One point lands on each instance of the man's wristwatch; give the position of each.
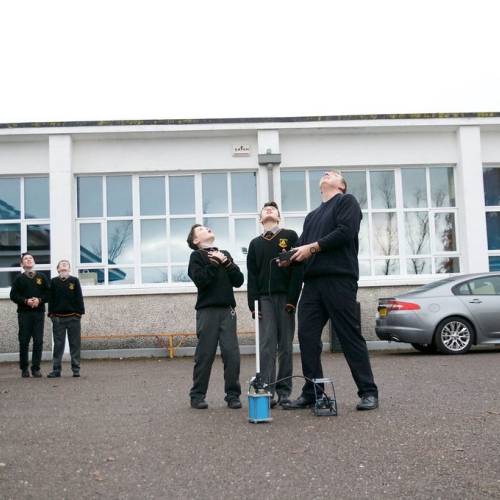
(313, 249)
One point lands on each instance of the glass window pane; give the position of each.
(365, 268)
(91, 277)
(356, 185)
(293, 191)
(383, 189)
(90, 243)
(220, 227)
(417, 233)
(180, 274)
(363, 236)
(494, 263)
(442, 187)
(244, 192)
(89, 196)
(120, 242)
(38, 242)
(418, 266)
(386, 267)
(245, 231)
(314, 192)
(445, 232)
(447, 265)
(385, 234)
(10, 199)
(295, 223)
(152, 195)
(7, 278)
(10, 245)
(36, 198)
(214, 193)
(414, 187)
(493, 230)
(154, 275)
(153, 241)
(491, 180)
(120, 276)
(179, 230)
(119, 195)
(181, 193)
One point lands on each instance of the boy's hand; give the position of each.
(218, 256)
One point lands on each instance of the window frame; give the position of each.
(490, 209)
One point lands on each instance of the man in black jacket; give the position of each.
(329, 248)
(30, 292)
(215, 274)
(65, 310)
(277, 290)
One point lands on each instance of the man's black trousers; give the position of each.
(71, 325)
(30, 327)
(332, 297)
(216, 325)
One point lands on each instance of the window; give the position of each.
(487, 285)
(409, 216)
(133, 228)
(24, 225)
(491, 179)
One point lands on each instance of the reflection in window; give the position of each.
(418, 266)
(90, 243)
(386, 267)
(154, 275)
(445, 232)
(10, 245)
(120, 276)
(365, 268)
(442, 187)
(244, 192)
(152, 195)
(417, 233)
(38, 242)
(494, 262)
(414, 187)
(36, 197)
(91, 277)
(220, 227)
(120, 242)
(385, 232)
(179, 230)
(180, 274)
(245, 231)
(356, 185)
(10, 198)
(491, 180)
(293, 191)
(493, 230)
(153, 241)
(447, 265)
(7, 278)
(364, 245)
(119, 195)
(214, 188)
(314, 191)
(89, 196)
(181, 194)
(383, 189)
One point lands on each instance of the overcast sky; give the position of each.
(107, 59)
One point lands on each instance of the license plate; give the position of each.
(382, 311)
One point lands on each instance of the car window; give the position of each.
(487, 285)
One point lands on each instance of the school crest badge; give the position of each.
(283, 243)
(39, 281)
(71, 286)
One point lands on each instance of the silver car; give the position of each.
(448, 315)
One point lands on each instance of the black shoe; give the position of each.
(54, 374)
(25, 373)
(368, 402)
(36, 373)
(234, 404)
(199, 404)
(76, 374)
(298, 404)
(283, 401)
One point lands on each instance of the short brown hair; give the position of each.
(271, 204)
(190, 237)
(61, 261)
(24, 255)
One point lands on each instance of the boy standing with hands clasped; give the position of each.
(215, 274)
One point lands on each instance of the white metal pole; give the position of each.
(257, 339)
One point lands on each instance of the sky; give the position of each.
(112, 60)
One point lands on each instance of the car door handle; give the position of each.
(475, 301)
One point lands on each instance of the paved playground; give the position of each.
(125, 430)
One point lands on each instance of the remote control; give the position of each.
(285, 256)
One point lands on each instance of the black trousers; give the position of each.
(71, 325)
(332, 297)
(216, 325)
(30, 327)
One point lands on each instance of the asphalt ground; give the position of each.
(125, 430)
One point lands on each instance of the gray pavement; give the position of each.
(125, 430)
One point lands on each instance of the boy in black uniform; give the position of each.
(215, 274)
(30, 292)
(277, 290)
(65, 310)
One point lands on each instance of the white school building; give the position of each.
(117, 199)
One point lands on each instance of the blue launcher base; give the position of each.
(259, 408)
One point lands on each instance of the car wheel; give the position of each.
(427, 348)
(453, 336)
